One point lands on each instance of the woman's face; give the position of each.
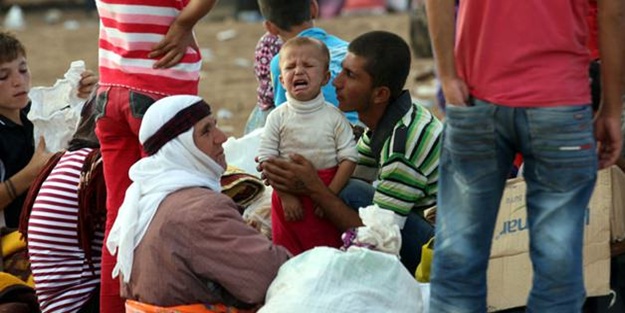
(209, 138)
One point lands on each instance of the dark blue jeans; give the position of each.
(479, 144)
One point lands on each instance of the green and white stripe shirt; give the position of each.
(407, 168)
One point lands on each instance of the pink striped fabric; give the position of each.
(63, 279)
(128, 31)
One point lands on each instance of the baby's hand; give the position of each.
(292, 208)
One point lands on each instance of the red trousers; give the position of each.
(117, 129)
(309, 232)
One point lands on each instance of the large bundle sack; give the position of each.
(366, 276)
(330, 280)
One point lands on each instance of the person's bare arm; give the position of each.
(20, 182)
(608, 119)
(298, 176)
(343, 173)
(180, 35)
(441, 24)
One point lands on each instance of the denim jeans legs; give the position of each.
(479, 144)
(416, 232)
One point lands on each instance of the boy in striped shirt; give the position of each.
(147, 50)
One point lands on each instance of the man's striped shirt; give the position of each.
(407, 167)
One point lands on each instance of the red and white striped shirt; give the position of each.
(64, 281)
(128, 31)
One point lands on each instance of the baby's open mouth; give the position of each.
(299, 84)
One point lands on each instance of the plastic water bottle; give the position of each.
(14, 18)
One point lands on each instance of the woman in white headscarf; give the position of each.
(179, 241)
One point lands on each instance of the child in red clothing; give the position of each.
(147, 50)
(329, 144)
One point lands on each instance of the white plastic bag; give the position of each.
(368, 277)
(325, 280)
(380, 232)
(55, 111)
(240, 152)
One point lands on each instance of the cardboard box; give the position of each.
(510, 269)
(617, 198)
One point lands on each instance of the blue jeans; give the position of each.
(416, 232)
(479, 144)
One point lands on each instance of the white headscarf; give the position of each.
(176, 165)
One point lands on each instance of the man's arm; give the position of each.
(180, 35)
(608, 119)
(441, 24)
(298, 176)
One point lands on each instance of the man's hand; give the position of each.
(173, 47)
(609, 138)
(297, 176)
(455, 90)
(87, 82)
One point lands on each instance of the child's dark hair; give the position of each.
(387, 59)
(285, 13)
(307, 41)
(10, 47)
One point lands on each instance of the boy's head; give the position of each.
(304, 67)
(14, 76)
(10, 48)
(285, 14)
(387, 59)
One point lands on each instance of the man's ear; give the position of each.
(314, 9)
(271, 28)
(381, 94)
(326, 79)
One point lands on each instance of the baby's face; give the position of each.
(303, 71)
(14, 84)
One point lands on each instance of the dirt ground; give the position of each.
(227, 81)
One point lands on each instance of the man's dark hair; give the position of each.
(387, 59)
(285, 13)
(10, 48)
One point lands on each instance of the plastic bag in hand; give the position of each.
(55, 111)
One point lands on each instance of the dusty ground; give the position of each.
(227, 78)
